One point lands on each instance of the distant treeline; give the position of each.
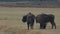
(7, 0)
(23, 0)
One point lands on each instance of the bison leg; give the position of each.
(31, 25)
(42, 26)
(28, 25)
(53, 24)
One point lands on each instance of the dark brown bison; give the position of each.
(29, 18)
(43, 19)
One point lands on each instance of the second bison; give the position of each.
(43, 19)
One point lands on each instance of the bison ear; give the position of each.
(24, 19)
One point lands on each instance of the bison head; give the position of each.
(24, 19)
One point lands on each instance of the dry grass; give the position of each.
(10, 20)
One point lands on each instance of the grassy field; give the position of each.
(10, 20)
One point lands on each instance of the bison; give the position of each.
(29, 18)
(43, 19)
